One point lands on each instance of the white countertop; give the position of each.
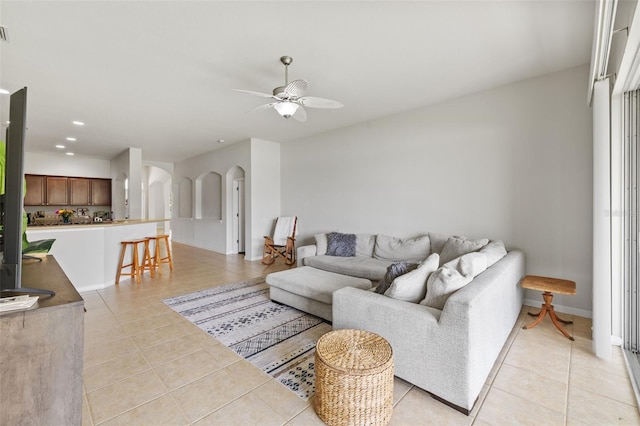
(65, 226)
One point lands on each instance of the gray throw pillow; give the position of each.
(342, 245)
(393, 271)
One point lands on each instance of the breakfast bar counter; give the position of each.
(89, 253)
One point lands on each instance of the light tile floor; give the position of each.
(146, 365)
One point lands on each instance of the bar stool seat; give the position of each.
(135, 265)
(156, 257)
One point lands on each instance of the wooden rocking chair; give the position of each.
(283, 242)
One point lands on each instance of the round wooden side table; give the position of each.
(549, 286)
(354, 378)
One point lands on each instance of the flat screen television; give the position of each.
(12, 200)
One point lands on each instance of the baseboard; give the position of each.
(616, 340)
(94, 287)
(560, 308)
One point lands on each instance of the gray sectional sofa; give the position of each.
(449, 352)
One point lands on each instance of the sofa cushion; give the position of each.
(393, 271)
(365, 244)
(437, 242)
(458, 246)
(359, 266)
(321, 243)
(314, 283)
(412, 286)
(494, 251)
(442, 284)
(411, 250)
(339, 244)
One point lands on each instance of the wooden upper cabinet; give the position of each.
(57, 191)
(35, 195)
(67, 191)
(79, 192)
(100, 192)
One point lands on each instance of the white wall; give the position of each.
(513, 163)
(40, 163)
(210, 234)
(265, 192)
(127, 165)
(135, 183)
(260, 160)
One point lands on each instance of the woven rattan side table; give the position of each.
(354, 378)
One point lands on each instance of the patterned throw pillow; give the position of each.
(393, 271)
(343, 245)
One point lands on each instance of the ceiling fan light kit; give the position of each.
(290, 98)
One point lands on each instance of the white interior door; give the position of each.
(238, 215)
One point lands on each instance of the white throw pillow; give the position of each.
(472, 264)
(442, 284)
(494, 251)
(458, 246)
(321, 244)
(412, 286)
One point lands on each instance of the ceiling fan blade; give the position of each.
(296, 88)
(251, 92)
(261, 107)
(300, 114)
(313, 102)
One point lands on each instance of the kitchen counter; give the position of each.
(89, 254)
(119, 222)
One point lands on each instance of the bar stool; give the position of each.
(136, 267)
(157, 258)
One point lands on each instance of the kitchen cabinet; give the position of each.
(57, 190)
(79, 191)
(67, 191)
(35, 195)
(100, 192)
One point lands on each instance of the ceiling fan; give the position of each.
(290, 100)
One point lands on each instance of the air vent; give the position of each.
(4, 34)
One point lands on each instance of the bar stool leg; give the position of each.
(123, 250)
(166, 244)
(156, 254)
(147, 264)
(135, 264)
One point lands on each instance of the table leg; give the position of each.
(548, 307)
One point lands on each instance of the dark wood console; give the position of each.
(41, 352)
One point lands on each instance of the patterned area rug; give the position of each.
(278, 339)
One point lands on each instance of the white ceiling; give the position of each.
(158, 75)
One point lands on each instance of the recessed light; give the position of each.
(4, 92)
(70, 153)
(71, 139)
(78, 123)
(60, 146)
(220, 140)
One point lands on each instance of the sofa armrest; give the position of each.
(305, 251)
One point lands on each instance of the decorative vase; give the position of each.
(65, 219)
